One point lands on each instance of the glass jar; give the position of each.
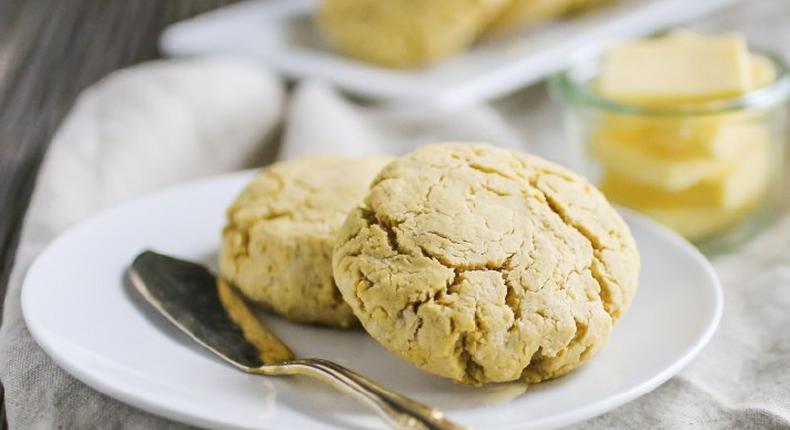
(711, 171)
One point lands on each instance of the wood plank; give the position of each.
(49, 51)
(57, 48)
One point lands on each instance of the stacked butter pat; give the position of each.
(698, 173)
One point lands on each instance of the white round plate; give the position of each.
(81, 310)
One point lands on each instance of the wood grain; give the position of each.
(49, 51)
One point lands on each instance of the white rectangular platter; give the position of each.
(283, 34)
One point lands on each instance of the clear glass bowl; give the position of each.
(710, 171)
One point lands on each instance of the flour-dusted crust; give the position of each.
(277, 244)
(482, 264)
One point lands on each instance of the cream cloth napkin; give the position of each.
(164, 122)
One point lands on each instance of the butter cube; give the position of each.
(649, 166)
(700, 223)
(672, 136)
(763, 71)
(676, 69)
(744, 180)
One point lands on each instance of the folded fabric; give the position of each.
(137, 130)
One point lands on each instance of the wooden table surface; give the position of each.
(50, 51)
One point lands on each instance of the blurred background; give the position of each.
(366, 76)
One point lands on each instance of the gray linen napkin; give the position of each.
(164, 122)
(135, 131)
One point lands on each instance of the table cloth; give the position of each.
(163, 122)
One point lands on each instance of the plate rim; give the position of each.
(620, 399)
(129, 397)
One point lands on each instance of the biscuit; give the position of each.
(277, 244)
(520, 13)
(482, 264)
(404, 33)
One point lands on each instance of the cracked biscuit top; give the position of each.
(482, 264)
(277, 243)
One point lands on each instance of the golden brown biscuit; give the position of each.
(404, 33)
(277, 244)
(519, 13)
(482, 264)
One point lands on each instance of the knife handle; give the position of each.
(399, 411)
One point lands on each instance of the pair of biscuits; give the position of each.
(475, 263)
